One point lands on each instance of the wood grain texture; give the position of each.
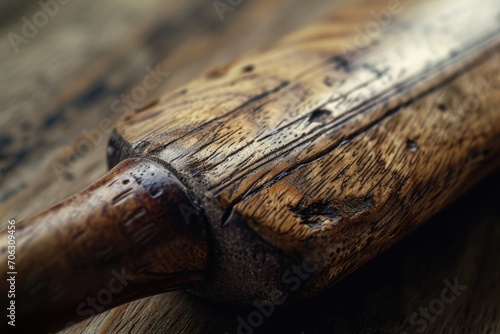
(120, 239)
(377, 299)
(313, 150)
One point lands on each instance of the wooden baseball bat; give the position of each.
(272, 177)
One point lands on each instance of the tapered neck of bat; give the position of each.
(133, 233)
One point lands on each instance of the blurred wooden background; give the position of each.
(62, 80)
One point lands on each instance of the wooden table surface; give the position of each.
(58, 81)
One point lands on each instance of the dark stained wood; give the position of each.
(318, 150)
(411, 281)
(133, 233)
